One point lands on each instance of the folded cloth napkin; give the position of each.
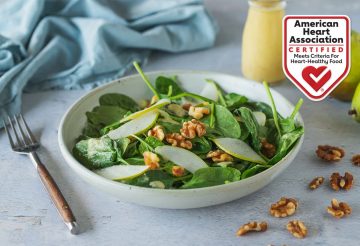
(71, 44)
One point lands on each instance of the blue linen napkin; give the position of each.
(71, 44)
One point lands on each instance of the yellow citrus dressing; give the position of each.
(262, 41)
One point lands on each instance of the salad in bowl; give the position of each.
(181, 140)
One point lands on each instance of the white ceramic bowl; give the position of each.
(193, 81)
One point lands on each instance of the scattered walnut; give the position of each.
(176, 139)
(284, 207)
(154, 100)
(316, 182)
(330, 153)
(338, 182)
(157, 132)
(219, 156)
(198, 112)
(177, 171)
(267, 148)
(252, 226)
(192, 128)
(297, 228)
(186, 106)
(151, 160)
(356, 160)
(338, 210)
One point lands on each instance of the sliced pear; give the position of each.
(135, 126)
(122, 172)
(161, 103)
(210, 91)
(238, 149)
(181, 157)
(260, 117)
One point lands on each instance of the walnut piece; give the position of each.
(186, 106)
(151, 160)
(252, 226)
(356, 160)
(316, 182)
(338, 182)
(338, 209)
(284, 207)
(297, 228)
(330, 153)
(267, 148)
(219, 156)
(157, 132)
(198, 112)
(177, 171)
(176, 139)
(192, 128)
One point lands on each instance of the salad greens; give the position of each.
(226, 143)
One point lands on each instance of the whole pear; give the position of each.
(355, 105)
(346, 89)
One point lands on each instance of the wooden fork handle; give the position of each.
(56, 195)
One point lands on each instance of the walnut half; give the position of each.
(338, 209)
(175, 139)
(330, 153)
(219, 156)
(252, 226)
(297, 228)
(193, 128)
(338, 182)
(284, 207)
(356, 160)
(316, 182)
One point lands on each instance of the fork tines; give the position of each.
(19, 134)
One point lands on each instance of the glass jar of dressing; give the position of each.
(262, 41)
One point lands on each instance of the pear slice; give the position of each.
(135, 126)
(122, 172)
(238, 149)
(210, 91)
(260, 117)
(181, 157)
(161, 103)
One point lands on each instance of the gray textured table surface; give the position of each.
(27, 216)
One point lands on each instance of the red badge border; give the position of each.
(347, 68)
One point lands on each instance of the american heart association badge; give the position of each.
(316, 52)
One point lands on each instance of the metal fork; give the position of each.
(22, 141)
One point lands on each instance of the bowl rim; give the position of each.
(73, 163)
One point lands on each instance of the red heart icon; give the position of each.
(317, 74)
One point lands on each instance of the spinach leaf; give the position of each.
(96, 153)
(151, 141)
(119, 100)
(90, 131)
(285, 144)
(234, 101)
(287, 125)
(211, 176)
(244, 131)
(254, 169)
(163, 84)
(273, 107)
(135, 160)
(170, 127)
(262, 107)
(226, 122)
(252, 126)
(121, 146)
(150, 176)
(200, 145)
(102, 116)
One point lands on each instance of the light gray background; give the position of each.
(27, 216)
